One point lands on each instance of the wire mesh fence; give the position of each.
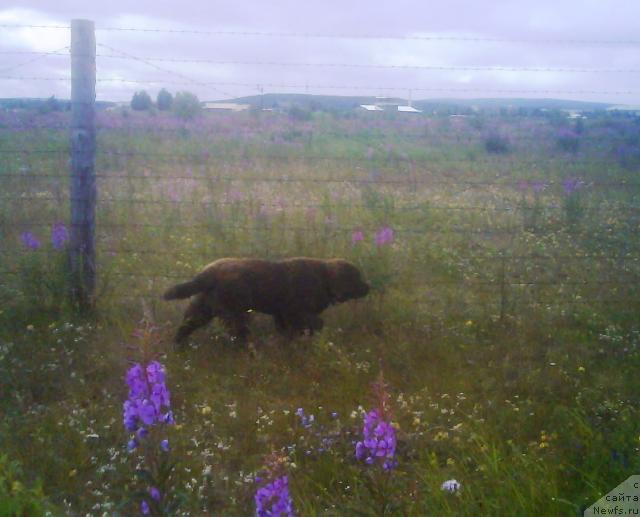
(485, 213)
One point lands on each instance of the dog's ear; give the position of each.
(334, 280)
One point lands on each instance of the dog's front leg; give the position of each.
(237, 324)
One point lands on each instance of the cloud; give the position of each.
(528, 34)
(41, 40)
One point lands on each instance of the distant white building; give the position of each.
(573, 114)
(390, 104)
(225, 106)
(371, 107)
(119, 105)
(408, 109)
(627, 109)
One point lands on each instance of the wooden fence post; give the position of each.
(503, 286)
(83, 151)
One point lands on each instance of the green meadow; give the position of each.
(503, 316)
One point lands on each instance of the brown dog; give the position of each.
(294, 291)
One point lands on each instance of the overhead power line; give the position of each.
(461, 68)
(318, 35)
(335, 86)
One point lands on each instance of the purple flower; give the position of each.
(131, 445)
(379, 441)
(273, 499)
(144, 508)
(384, 236)
(570, 185)
(59, 236)
(235, 196)
(154, 493)
(147, 412)
(130, 416)
(137, 382)
(174, 194)
(164, 445)
(148, 395)
(160, 396)
(523, 186)
(538, 186)
(357, 236)
(306, 421)
(30, 241)
(155, 373)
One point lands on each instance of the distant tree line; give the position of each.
(183, 104)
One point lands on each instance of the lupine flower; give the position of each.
(144, 508)
(384, 236)
(155, 493)
(306, 421)
(523, 186)
(30, 241)
(273, 499)
(357, 236)
(451, 486)
(235, 196)
(570, 185)
(374, 176)
(538, 186)
(174, 194)
(148, 395)
(379, 441)
(164, 445)
(59, 236)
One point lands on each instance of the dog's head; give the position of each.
(345, 281)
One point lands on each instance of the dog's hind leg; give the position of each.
(292, 324)
(237, 324)
(198, 314)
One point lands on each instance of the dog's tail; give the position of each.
(180, 291)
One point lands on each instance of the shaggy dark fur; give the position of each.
(294, 291)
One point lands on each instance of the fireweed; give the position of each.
(571, 200)
(357, 236)
(146, 413)
(59, 236)
(384, 236)
(30, 241)
(272, 498)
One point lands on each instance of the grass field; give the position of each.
(504, 314)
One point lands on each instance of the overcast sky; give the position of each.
(572, 49)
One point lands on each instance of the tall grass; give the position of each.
(516, 376)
